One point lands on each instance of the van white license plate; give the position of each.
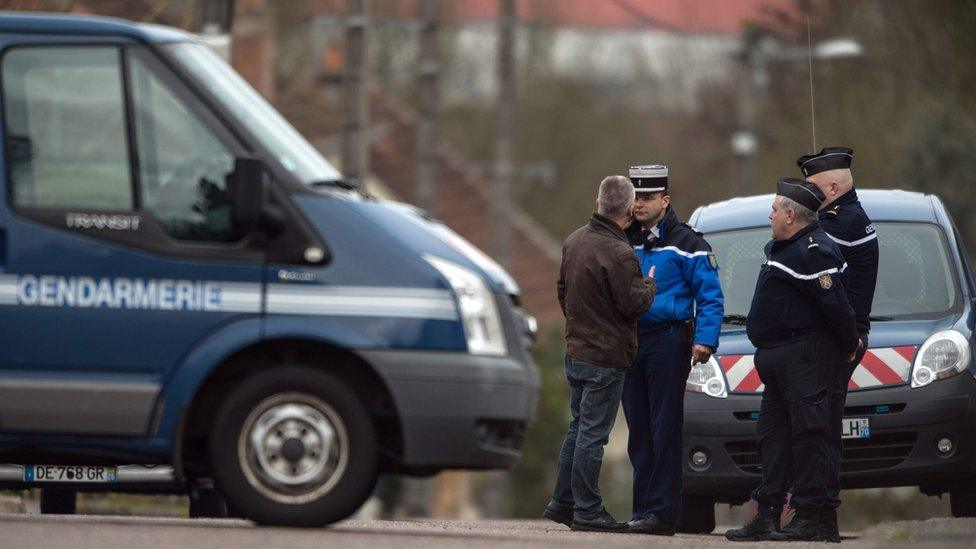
(68, 473)
(855, 427)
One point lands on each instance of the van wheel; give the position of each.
(58, 501)
(293, 446)
(962, 500)
(697, 515)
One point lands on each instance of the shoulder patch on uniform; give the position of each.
(826, 282)
(812, 245)
(712, 260)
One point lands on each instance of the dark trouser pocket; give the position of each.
(812, 413)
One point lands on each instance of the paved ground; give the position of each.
(104, 532)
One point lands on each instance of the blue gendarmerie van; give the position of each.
(910, 416)
(192, 300)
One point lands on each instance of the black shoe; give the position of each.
(757, 529)
(650, 524)
(563, 514)
(603, 522)
(828, 530)
(799, 529)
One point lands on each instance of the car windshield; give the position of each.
(916, 279)
(278, 136)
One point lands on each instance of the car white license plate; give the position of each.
(68, 473)
(855, 427)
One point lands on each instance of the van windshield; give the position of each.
(294, 153)
(916, 279)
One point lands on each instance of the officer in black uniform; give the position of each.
(845, 222)
(803, 328)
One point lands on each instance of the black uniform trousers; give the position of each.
(838, 399)
(794, 422)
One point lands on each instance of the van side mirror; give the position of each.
(248, 191)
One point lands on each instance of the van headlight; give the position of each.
(479, 311)
(707, 378)
(943, 355)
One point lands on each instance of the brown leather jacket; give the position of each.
(602, 291)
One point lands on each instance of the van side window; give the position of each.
(183, 166)
(66, 144)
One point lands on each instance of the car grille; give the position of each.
(881, 451)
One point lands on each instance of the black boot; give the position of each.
(563, 514)
(603, 522)
(828, 530)
(650, 524)
(759, 528)
(803, 527)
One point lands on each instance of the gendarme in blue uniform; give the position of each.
(687, 290)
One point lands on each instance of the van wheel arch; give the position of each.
(342, 363)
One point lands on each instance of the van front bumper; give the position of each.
(901, 450)
(458, 410)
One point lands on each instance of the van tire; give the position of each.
(962, 500)
(697, 515)
(309, 453)
(58, 501)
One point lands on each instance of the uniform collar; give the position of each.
(846, 198)
(780, 244)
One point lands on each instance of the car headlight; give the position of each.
(707, 378)
(479, 311)
(943, 355)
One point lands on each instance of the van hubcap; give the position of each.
(293, 448)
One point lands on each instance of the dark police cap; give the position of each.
(802, 192)
(649, 179)
(830, 158)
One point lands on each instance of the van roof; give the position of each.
(753, 211)
(87, 25)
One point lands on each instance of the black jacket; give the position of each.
(601, 291)
(846, 223)
(800, 293)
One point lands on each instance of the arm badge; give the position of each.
(825, 281)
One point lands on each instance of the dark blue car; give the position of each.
(910, 417)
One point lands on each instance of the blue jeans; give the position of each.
(653, 399)
(594, 398)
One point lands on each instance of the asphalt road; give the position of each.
(105, 532)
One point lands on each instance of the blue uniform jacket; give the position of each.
(846, 223)
(687, 279)
(800, 293)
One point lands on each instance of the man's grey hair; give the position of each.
(803, 214)
(615, 196)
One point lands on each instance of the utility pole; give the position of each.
(505, 132)
(355, 145)
(428, 63)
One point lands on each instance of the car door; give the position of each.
(119, 249)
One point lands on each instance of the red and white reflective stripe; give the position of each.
(740, 372)
(879, 367)
(885, 366)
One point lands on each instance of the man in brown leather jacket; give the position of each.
(601, 291)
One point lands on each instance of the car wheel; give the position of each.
(962, 500)
(697, 515)
(293, 446)
(58, 501)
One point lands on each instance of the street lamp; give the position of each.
(752, 84)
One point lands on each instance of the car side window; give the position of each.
(183, 165)
(65, 140)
